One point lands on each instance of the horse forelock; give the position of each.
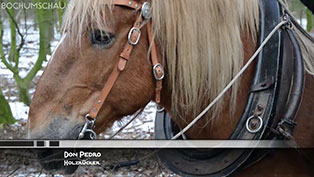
(82, 16)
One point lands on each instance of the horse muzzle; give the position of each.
(59, 129)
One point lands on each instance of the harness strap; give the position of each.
(133, 39)
(134, 35)
(158, 70)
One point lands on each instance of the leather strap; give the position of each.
(128, 3)
(133, 38)
(157, 67)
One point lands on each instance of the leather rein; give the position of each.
(143, 18)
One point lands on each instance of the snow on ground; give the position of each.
(19, 110)
(141, 128)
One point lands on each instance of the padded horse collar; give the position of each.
(144, 17)
(270, 112)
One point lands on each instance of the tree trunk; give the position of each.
(13, 51)
(23, 94)
(23, 90)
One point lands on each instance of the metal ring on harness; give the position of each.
(249, 127)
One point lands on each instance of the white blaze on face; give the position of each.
(56, 48)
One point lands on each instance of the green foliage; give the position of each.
(310, 23)
(5, 111)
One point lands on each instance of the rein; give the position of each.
(143, 18)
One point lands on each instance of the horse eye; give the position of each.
(101, 38)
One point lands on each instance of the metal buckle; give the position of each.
(287, 18)
(88, 128)
(254, 129)
(134, 29)
(156, 74)
(146, 11)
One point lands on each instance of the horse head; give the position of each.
(81, 66)
(97, 40)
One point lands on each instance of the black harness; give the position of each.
(271, 109)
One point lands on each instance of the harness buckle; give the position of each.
(158, 71)
(132, 33)
(88, 129)
(285, 127)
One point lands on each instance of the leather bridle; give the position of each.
(143, 18)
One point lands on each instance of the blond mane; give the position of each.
(200, 43)
(202, 48)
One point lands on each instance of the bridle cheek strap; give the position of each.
(158, 69)
(133, 39)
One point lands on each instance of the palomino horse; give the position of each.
(201, 45)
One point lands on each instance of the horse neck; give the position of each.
(222, 127)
